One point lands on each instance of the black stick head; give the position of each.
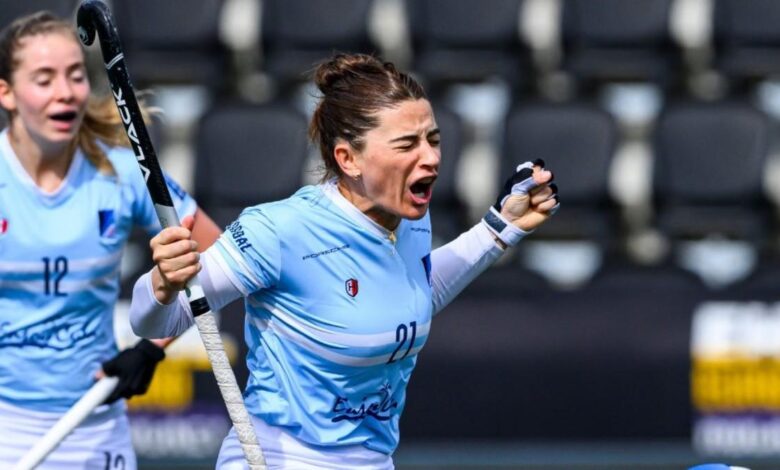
(86, 34)
(90, 12)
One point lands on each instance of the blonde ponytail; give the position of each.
(102, 123)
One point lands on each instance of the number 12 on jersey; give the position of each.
(53, 272)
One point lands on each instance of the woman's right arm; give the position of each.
(151, 318)
(159, 308)
(244, 260)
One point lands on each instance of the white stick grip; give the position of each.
(223, 372)
(67, 423)
(212, 341)
(194, 290)
(231, 394)
(167, 215)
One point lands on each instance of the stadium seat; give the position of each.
(448, 210)
(173, 42)
(467, 41)
(296, 34)
(747, 39)
(761, 284)
(615, 40)
(709, 167)
(13, 9)
(577, 141)
(248, 154)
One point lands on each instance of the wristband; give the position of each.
(506, 231)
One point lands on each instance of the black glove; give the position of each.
(135, 368)
(521, 182)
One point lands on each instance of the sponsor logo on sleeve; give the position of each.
(239, 237)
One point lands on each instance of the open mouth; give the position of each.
(65, 116)
(422, 189)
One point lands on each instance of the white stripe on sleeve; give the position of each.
(238, 259)
(456, 264)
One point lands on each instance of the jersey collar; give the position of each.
(20, 174)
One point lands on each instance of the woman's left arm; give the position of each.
(527, 200)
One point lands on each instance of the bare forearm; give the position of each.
(164, 342)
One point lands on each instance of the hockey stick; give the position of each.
(93, 18)
(75, 415)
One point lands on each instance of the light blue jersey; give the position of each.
(59, 273)
(336, 314)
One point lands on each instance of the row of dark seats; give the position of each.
(452, 40)
(709, 165)
(708, 172)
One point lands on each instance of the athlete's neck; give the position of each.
(47, 163)
(354, 193)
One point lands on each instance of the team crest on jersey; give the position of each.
(426, 261)
(107, 223)
(3, 226)
(352, 287)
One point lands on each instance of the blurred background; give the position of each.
(639, 328)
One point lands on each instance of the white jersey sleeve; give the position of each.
(244, 260)
(151, 319)
(456, 264)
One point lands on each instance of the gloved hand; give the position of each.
(527, 200)
(135, 368)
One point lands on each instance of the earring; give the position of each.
(356, 176)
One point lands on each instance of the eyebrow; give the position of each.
(412, 137)
(52, 70)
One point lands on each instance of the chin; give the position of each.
(64, 137)
(56, 136)
(416, 214)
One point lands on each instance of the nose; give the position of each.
(431, 156)
(63, 90)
